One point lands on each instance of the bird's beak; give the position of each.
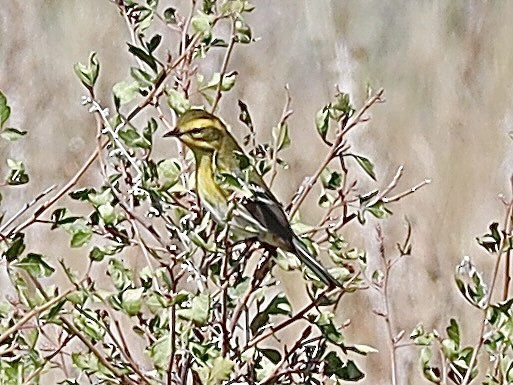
(173, 133)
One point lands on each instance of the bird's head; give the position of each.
(199, 130)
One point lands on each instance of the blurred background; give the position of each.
(447, 70)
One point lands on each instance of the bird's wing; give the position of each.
(254, 205)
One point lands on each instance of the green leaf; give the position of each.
(272, 354)
(278, 305)
(366, 165)
(170, 15)
(379, 210)
(17, 175)
(143, 78)
(98, 253)
(12, 134)
(5, 110)
(470, 283)
(125, 91)
(160, 351)
(215, 371)
(331, 180)
(491, 241)
(88, 73)
(243, 32)
(15, 248)
(101, 198)
(322, 122)
(280, 136)
(144, 56)
(177, 101)
(122, 277)
(199, 311)
(82, 194)
(36, 265)
(81, 232)
(133, 139)
(431, 373)
(346, 371)
(341, 107)
(202, 23)
(329, 330)
(87, 322)
(154, 43)
(236, 7)
(107, 214)
(131, 301)
(453, 331)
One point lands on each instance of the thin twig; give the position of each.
(32, 313)
(299, 315)
(26, 207)
(224, 66)
(283, 119)
(479, 344)
(307, 186)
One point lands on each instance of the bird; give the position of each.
(234, 193)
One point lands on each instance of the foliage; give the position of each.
(201, 309)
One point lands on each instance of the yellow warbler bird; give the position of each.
(233, 191)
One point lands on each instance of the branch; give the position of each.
(224, 66)
(307, 186)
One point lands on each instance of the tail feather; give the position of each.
(313, 264)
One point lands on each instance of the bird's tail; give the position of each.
(313, 264)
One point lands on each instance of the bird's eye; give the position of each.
(196, 133)
(205, 133)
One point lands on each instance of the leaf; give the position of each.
(202, 23)
(280, 134)
(36, 265)
(199, 311)
(379, 210)
(322, 122)
(177, 101)
(491, 241)
(144, 56)
(272, 354)
(154, 43)
(278, 305)
(220, 370)
(324, 321)
(453, 331)
(341, 106)
(107, 214)
(15, 248)
(366, 165)
(470, 283)
(346, 371)
(88, 73)
(133, 139)
(98, 253)
(5, 110)
(121, 276)
(243, 32)
(125, 91)
(17, 175)
(131, 301)
(87, 321)
(331, 180)
(170, 15)
(101, 198)
(81, 232)
(82, 194)
(12, 134)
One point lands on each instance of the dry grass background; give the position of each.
(447, 69)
